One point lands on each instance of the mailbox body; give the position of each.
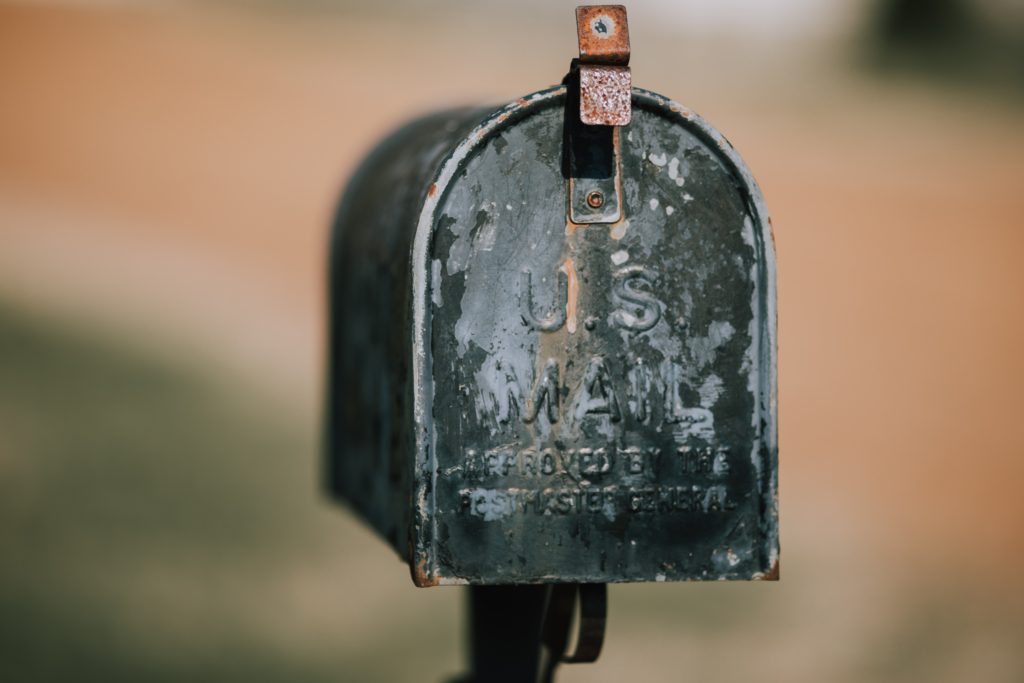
(514, 398)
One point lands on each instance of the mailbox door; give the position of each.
(594, 403)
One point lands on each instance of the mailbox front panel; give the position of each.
(595, 403)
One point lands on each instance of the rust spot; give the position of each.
(773, 573)
(574, 292)
(433, 190)
(606, 84)
(420, 576)
(605, 95)
(603, 34)
(522, 101)
(681, 110)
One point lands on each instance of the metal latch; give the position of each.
(601, 82)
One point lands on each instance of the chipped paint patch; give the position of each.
(673, 172)
(435, 283)
(619, 257)
(658, 159)
(702, 349)
(619, 229)
(710, 390)
(747, 232)
(694, 423)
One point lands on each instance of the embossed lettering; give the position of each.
(545, 393)
(589, 462)
(640, 383)
(671, 382)
(547, 461)
(529, 460)
(596, 395)
(553, 320)
(495, 504)
(640, 461)
(508, 410)
(632, 287)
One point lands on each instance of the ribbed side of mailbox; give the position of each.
(369, 436)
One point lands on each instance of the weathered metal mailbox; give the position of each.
(552, 341)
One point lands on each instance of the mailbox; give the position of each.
(552, 340)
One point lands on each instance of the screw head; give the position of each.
(603, 26)
(595, 199)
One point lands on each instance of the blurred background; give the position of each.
(167, 174)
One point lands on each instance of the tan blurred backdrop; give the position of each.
(167, 175)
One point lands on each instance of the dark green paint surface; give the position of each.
(595, 403)
(648, 466)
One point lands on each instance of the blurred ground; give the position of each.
(166, 176)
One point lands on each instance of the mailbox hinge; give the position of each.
(599, 91)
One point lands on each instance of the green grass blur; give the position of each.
(157, 525)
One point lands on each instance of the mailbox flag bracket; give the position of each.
(606, 83)
(599, 88)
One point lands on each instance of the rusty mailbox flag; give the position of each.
(552, 354)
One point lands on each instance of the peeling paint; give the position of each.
(657, 159)
(673, 172)
(507, 410)
(435, 279)
(619, 229)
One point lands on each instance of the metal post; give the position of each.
(504, 633)
(519, 634)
